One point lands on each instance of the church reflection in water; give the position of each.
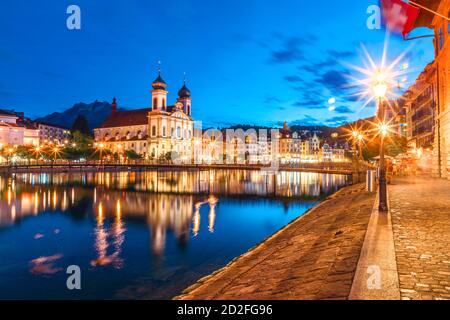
(166, 201)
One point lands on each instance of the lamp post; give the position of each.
(360, 141)
(55, 153)
(380, 89)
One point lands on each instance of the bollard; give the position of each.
(370, 181)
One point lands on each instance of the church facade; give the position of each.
(160, 132)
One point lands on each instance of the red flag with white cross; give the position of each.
(399, 16)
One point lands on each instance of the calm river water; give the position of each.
(140, 235)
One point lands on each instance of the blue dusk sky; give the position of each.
(247, 61)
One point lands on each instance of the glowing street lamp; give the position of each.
(383, 129)
(376, 84)
(380, 89)
(360, 142)
(55, 152)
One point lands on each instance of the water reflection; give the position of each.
(219, 182)
(166, 199)
(221, 211)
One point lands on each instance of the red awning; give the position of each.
(425, 17)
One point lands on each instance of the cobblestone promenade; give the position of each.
(314, 257)
(420, 208)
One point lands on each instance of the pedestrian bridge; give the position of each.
(331, 168)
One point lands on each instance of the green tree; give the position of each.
(25, 152)
(132, 155)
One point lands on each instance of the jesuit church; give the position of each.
(151, 132)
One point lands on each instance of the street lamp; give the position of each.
(380, 89)
(360, 141)
(55, 152)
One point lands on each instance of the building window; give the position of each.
(448, 25)
(171, 133)
(153, 131)
(178, 132)
(441, 38)
(164, 131)
(155, 103)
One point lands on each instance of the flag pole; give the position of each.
(429, 10)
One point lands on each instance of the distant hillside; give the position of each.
(95, 112)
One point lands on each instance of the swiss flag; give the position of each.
(399, 16)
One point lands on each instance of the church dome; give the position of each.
(159, 83)
(184, 92)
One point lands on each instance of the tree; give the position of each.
(82, 147)
(81, 125)
(131, 154)
(25, 152)
(167, 157)
(394, 145)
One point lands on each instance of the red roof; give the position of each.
(127, 118)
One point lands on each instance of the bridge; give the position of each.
(344, 168)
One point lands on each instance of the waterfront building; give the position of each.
(52, 133)
(441, 27)
(332, 153)
(314, 143)
(155, 133)
(393, 112)
(15, 130)
(289, 145)
(420, 104)
(124, 130)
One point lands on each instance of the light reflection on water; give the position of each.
(140, 235)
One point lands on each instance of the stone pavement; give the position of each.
(315, 257)
(420, 209)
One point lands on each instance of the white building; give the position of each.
(52, 133)
(16, 131)
(154, 133)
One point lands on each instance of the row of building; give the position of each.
(164, 130)
(16, 130)
(423, 112)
